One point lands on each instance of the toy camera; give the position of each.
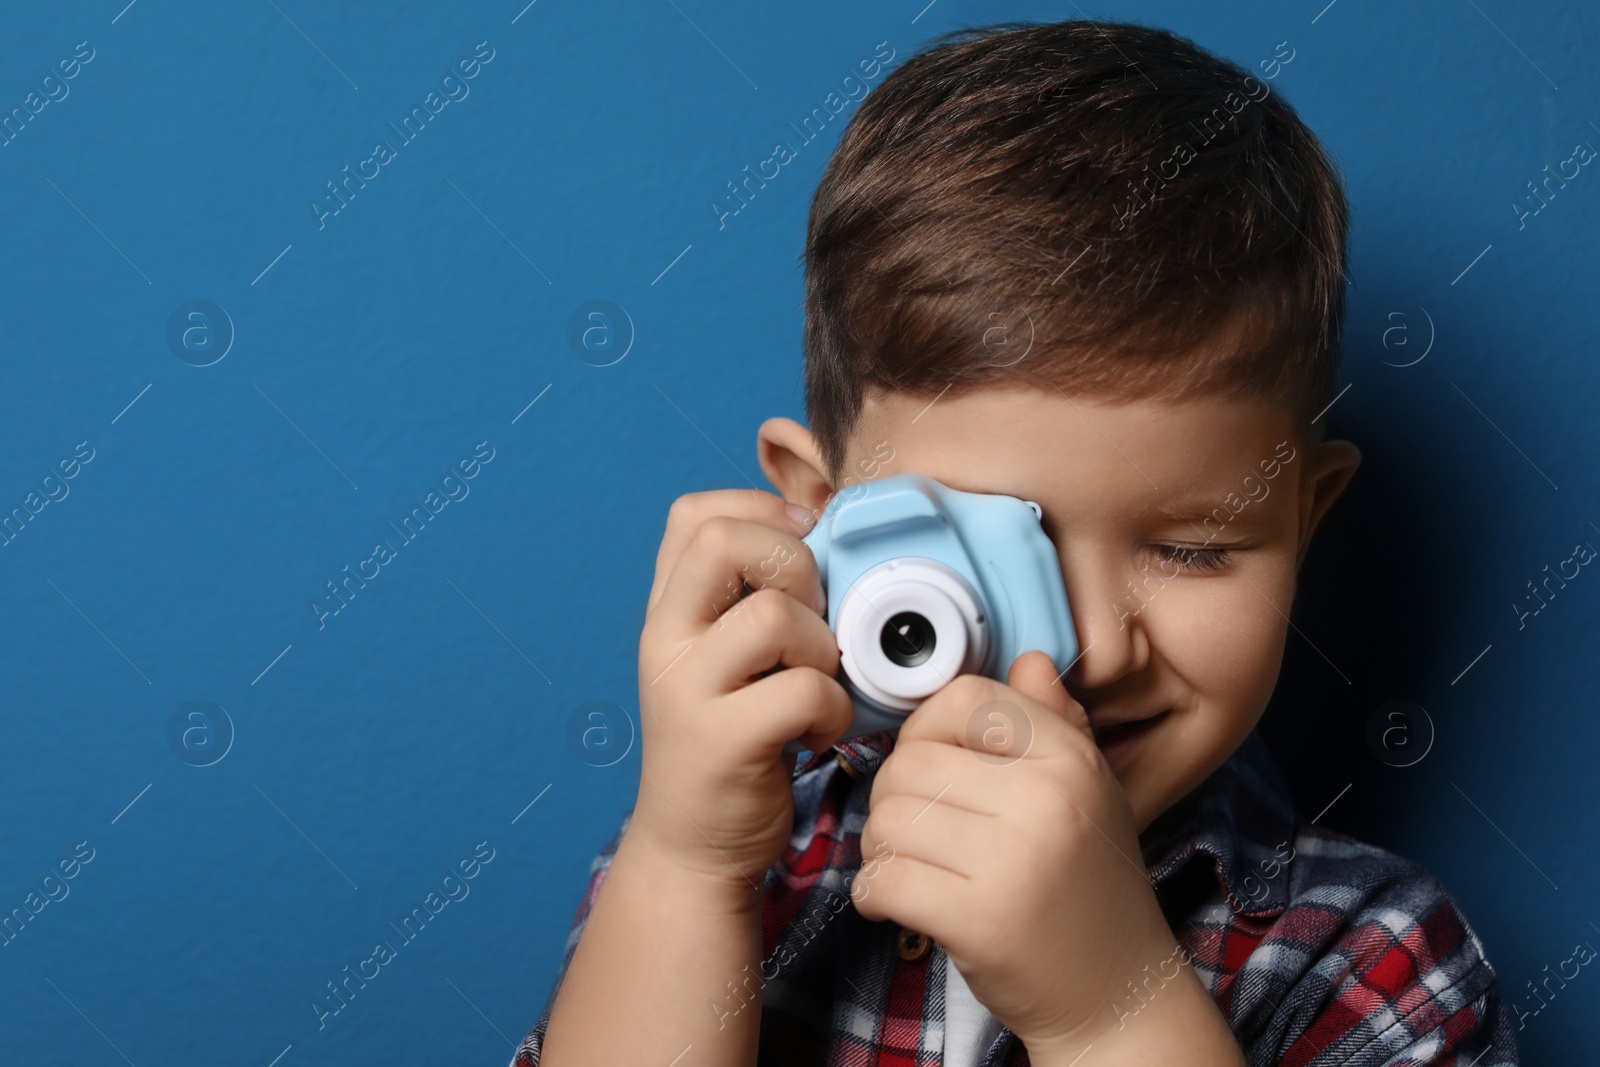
(925, 582)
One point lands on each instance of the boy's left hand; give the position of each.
(1027, 870)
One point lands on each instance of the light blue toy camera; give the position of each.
(926, 582)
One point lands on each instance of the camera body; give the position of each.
(925, 582)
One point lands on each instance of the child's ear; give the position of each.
(792, 462)
(1328, 470)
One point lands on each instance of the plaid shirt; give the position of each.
(1318, 949)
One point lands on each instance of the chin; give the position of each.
(1157, 768)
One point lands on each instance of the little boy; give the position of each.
(1089, 265)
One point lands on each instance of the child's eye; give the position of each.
(1193, 557)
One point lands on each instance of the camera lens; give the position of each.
(907, 626)
(907, 639)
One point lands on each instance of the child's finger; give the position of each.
(958, 839)
(1034, 674)
(955, 775)
(912, 892)
(690, 511)
(990, 717)
(800, 703)
(767, 629)
(723, 554)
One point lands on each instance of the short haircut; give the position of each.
(1155, 219)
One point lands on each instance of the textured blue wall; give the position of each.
(251, 794)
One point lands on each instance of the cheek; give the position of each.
(1224, 638)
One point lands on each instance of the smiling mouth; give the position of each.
(1127, 731)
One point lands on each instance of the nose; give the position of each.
(1108, 606)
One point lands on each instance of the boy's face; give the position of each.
(1180, 621)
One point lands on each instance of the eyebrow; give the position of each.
(1191, 511)
(1194, 513)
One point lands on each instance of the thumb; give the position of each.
(1033, 674)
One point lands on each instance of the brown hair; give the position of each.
(1094, 205)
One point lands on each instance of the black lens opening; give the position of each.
(907, 639)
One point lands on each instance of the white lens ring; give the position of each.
(929, 589)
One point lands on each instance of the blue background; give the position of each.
(371, 355)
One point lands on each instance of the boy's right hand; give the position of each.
(714, 793)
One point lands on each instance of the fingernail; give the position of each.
(801, 516)
(820, 601)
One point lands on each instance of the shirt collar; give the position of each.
(1240, 818)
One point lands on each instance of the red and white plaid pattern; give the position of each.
(1317, 948)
